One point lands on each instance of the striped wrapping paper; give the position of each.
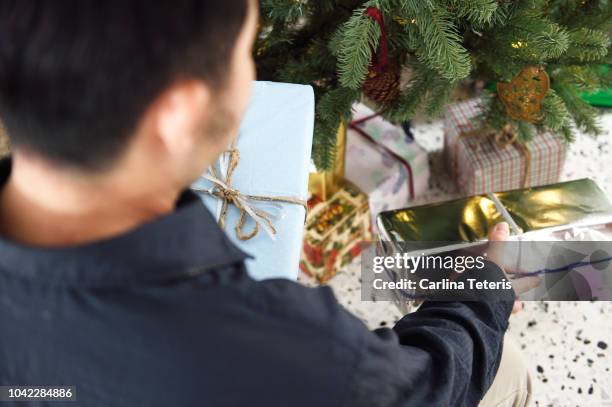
(480, 165)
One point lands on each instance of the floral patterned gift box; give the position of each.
(335, 230)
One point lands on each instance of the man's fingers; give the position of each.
(524, 284)
(517, 307)
(498, 234)
(497, 254)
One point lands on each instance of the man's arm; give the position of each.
(444, 354)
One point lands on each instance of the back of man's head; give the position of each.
(76, 75)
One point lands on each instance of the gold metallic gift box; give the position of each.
(461, 223)
(325, 184)
(469, 219)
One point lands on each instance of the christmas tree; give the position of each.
(409, 55)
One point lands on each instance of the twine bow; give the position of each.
(223, 190)
(503, 138)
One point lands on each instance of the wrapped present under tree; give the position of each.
(335, 230)
(384, 162)
(484, 160)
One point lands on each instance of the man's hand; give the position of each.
(497, 255)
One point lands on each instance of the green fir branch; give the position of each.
(337, 104)
(595, 14)
(324, 144)
(360, 35)
(496, 116)
(587, 45)
(502, 14)
(477, 12)
(438, 96)
(525, 131)
(584, 115)
(332, 108)
(585, 77)
(555, 115)
(533, 39)
(411, 97)
(567, 134)
(284, 10)
(441, 47)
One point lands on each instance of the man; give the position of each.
(115, 279)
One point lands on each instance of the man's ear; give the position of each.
(178, 115)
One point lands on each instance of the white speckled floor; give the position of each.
(568, 344)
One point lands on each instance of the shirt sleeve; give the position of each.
(445, 353)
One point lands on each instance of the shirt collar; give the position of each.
(183, 242)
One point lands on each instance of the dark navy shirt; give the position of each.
(165, 315)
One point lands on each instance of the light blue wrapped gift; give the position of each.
(268, 179)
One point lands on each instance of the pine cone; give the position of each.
(382, 87)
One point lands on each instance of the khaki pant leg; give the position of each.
(512, 385)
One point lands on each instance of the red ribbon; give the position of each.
(379, 66)
(354, 126)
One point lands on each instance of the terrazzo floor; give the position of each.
(568, 345)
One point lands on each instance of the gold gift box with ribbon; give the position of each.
(470, 219)
(532, 213)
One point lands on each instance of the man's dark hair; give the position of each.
(76, 75)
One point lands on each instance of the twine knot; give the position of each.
(229, 194)
(223, 190)
(504, 137)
